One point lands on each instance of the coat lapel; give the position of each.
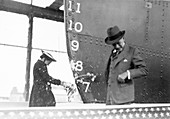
(122, 54)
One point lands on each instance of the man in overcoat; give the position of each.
(123, 67)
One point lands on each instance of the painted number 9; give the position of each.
(74, 45)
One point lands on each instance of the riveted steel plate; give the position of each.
(166, 42)
(146, 26)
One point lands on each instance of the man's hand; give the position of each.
(122, 77)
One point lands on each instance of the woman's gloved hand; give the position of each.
(66, 84)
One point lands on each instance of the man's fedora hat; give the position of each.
(114, 35)
(47, 55)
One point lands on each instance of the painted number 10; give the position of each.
(77, 26)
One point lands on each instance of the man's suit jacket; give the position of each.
(128, 59)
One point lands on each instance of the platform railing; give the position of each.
(89, 111)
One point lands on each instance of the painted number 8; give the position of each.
(77, 66)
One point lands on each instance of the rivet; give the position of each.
(73, 20)
(73, 10)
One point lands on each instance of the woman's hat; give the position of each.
(114, 35)
(47, 55)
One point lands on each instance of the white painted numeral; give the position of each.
(70, 6)
(74, 45)
(70, 25)
(78, 26)
(77, 7)
(87, 85)
(77, 66)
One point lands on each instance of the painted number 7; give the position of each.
(87, 85)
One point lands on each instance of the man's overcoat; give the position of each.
(128, 59)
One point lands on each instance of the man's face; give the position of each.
(120, 44)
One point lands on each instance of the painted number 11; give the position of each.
(77, 7)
